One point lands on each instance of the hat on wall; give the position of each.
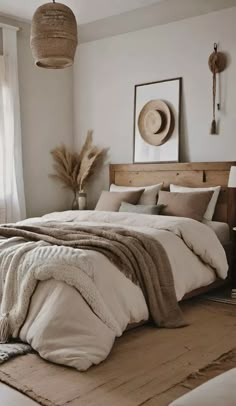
(156, 122)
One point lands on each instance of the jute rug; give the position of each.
(147, 366)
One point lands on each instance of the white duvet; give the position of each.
(62, 327)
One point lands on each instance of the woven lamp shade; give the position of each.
(54, 36)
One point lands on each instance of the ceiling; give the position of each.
(85, 10)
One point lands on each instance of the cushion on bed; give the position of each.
(149, 195)
(141, 208)
(111, 201)
(212, 204)
(220, 391)
(191, 205)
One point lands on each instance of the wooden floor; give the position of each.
(145, 366)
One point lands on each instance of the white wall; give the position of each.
(106, 71)
(47, 120)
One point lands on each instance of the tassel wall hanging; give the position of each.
(217, 64)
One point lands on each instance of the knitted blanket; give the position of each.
(56, 250)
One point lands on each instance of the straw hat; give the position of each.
(155, 122)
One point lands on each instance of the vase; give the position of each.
(82, 200)
(75, 203)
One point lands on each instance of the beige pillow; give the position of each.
(149, 196)
(191, 205)
(208, 215)
(111, 201)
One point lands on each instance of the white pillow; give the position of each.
(149, 195)
(212, 204)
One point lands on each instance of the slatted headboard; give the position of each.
(186, 174)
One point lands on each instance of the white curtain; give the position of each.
(12, 198)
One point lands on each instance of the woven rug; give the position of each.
(146, 366)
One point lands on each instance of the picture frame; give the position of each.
(157, 104)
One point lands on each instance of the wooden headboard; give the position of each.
(186, 174)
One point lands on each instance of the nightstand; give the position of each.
(227, 294)
(233, 291)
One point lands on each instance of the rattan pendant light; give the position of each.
(54, 36)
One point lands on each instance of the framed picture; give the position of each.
(157, 121)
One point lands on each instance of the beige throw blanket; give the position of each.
(140, 257)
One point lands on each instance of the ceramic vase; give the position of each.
(82, 200)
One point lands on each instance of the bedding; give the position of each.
(149, 195)
(60, 324)
(48, 253)
(209, 213)
(111, 201)
(222, 230)
(191, 205)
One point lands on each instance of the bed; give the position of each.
(75, 322)
(196, 175)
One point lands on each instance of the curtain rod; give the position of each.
(9, 27)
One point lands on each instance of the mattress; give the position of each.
(222, 230)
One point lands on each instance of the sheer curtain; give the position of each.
(12, 199)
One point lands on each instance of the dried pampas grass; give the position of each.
(74, 169)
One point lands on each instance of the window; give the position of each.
(12, 200)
